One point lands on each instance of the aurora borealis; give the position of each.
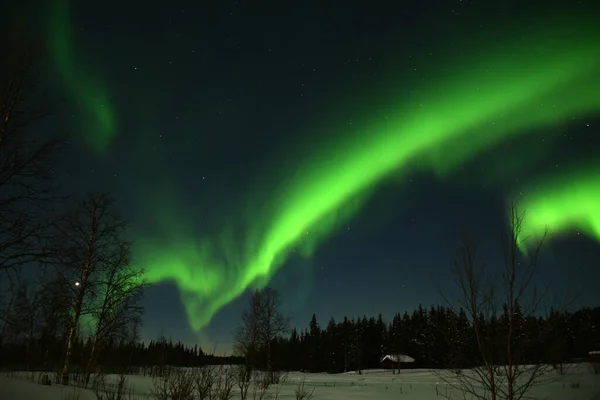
(243, 163)
(329, 189)
(568, 202)
(86, 87)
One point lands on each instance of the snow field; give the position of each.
(577, 383)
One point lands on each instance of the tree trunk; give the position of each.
(269, 368)
(7, 315)
(73, 329)
(79, 305)
(71, 339)
(88, 368)
(99, 328)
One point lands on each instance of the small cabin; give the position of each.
(594, 357)
(393, 361)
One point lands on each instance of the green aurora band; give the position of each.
(528, 83)
(86, 88)
(570, 202)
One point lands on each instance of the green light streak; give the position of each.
(100, 126)
(568, 203)
(527, 83)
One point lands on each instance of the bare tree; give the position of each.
(27, 187)
(88, 240)
(28, 318)
(27, 154)
(510, 300)
(247, 341)
(116, 310)
(214, 382)
(177, 383)
(56, 302)
(262, 324)
(37, 313)
(272, 324)
(303, 393)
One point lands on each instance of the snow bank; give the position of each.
(21, 389)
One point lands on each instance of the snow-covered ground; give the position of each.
(20, 388)
(578, 383)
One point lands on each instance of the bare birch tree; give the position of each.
(262, 323)
(510, 299)
(247, 341)
(272, 324)
(116, 309)
(88, 237)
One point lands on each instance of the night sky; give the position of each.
(336, 150)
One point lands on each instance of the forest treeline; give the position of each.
(436, 338)
(431, 336)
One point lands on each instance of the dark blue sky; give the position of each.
(222, 91)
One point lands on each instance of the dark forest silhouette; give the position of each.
(350, 344)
